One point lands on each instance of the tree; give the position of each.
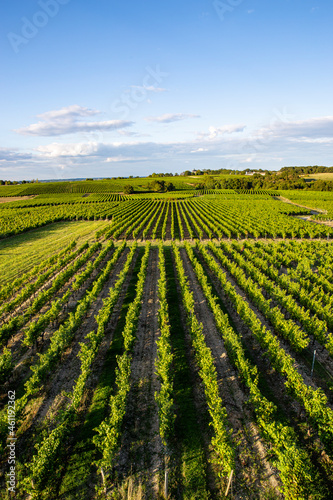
(169, 186)
(160, 186)
(128, 189)
(209, 182)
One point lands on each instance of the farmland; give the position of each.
(325, 176)
(185, 336)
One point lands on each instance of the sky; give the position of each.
(107, 88)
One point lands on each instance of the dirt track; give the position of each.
(141, 450)
(314, 211)
(16, 198)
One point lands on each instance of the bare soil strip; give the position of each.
(253, 471)
(141, 450)
(168, 224)
(16, 198)
(182, 222)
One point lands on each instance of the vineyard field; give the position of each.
(166, 343)
(28, 249)
(322, 202)
(219, 399)
(221, 215)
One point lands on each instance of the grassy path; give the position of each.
(20, 253)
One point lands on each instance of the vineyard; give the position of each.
(320, 201)
(196, 216)
(175, 346)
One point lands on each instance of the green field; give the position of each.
(324, 176)
(167, 336)
(321, 201)
(172, 216)
(20, 253)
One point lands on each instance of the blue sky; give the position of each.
(106, 88)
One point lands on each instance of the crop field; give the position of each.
(157, 347)
(322, 176)
(221, 215)
(321, 201)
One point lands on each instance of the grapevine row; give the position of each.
(164, 361)
(296, 471)
(313, 400)
(37, 327)
(221, 439)
(10, 328)
(43, 461)
(60, 340)
(311, 323)
(9, 290)
(42, 278)
(108, 433)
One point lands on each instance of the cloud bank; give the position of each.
(68, 121)
(280, 143)
(170, 118)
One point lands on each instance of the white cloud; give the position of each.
(56, 150)
(69, 112)
(67, 121)
(169, 118)
(215, 132)
(312, 128)
(120, 159)
(308, 140)
(127, 133)
(273, 146)
(199, 150)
